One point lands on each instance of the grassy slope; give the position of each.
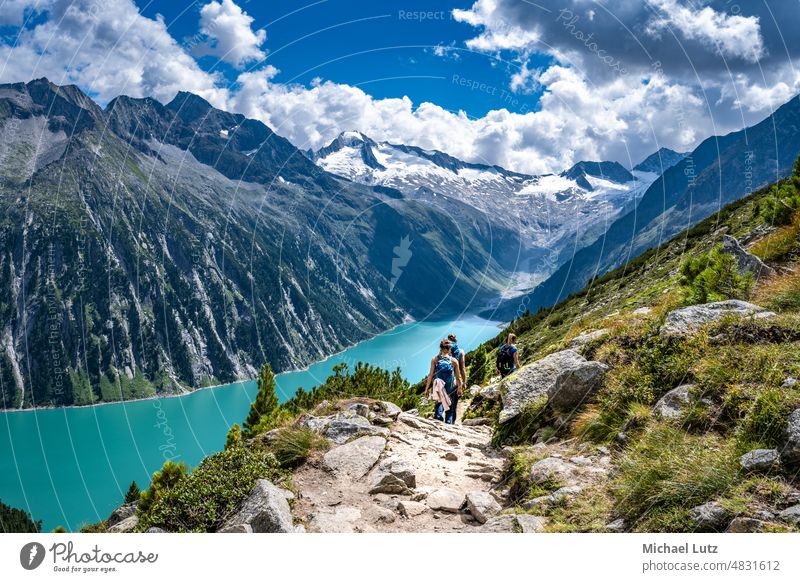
(738, 369)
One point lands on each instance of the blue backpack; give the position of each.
(443, 369)
(456, 352)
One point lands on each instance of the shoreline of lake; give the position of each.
(214, 386)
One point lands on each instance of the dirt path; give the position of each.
(446, 463)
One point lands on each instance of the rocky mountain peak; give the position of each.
(611, 171)
(660, 161)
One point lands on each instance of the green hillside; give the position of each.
(740, 372)
(679, 427)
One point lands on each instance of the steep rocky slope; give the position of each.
(150, 248)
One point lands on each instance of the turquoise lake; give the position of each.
(72, 466)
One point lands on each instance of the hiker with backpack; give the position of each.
(507, 357)
(444, 384)
(460, 357)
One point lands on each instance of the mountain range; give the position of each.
(552, 214)
(149, 248)
(720, 170)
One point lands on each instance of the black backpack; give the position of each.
(505, 359)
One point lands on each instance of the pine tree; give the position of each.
(266, 401)
(234, 438)
(133, 493)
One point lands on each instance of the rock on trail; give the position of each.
(420, 475)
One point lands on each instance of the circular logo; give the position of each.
(31, 555)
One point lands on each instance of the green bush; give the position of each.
(478, 368)
(234, 437)
(295, 444)
(162, 483)
(364, 381)
(202, 500)
(714, 276)
(779, 207)
(668, 471)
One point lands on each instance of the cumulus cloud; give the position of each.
(14, 12)
(727, 35)
(670, 91)
(108, 49)
(228, 34)
(574, 121)
(734, 56)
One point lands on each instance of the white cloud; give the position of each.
(762, 97)
(108, 49)
(229, 35)
(584, 112)
(575, 120)
(728, 35)
(14, 12)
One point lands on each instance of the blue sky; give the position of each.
(531, 86)
(378, 46)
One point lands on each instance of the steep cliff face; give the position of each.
(149, 248)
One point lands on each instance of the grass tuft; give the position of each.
(294, 445)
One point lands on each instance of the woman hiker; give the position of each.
(444, 384)
(507, 357)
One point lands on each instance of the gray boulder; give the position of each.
(686, 320)
(617, 526)
(552, 469)
(122, 513)
(345, 426)
(671, 404)
(445, 500)
(490, 392)
(790, 454)
(531, 523)
(501, 524)
(747, 263)
(393, 475)
(359, 409)
(581, 341)
(792, 515)
(411, 508)
(265, 510)
(710, 516)
(744, 525)
(759, 460)
(356, 458)
(520, 523)
(391, 410)
(566, 378)
(126, 525)
(482, 505)
(155, 530)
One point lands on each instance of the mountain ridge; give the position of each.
(152, 249)
(698, 185)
